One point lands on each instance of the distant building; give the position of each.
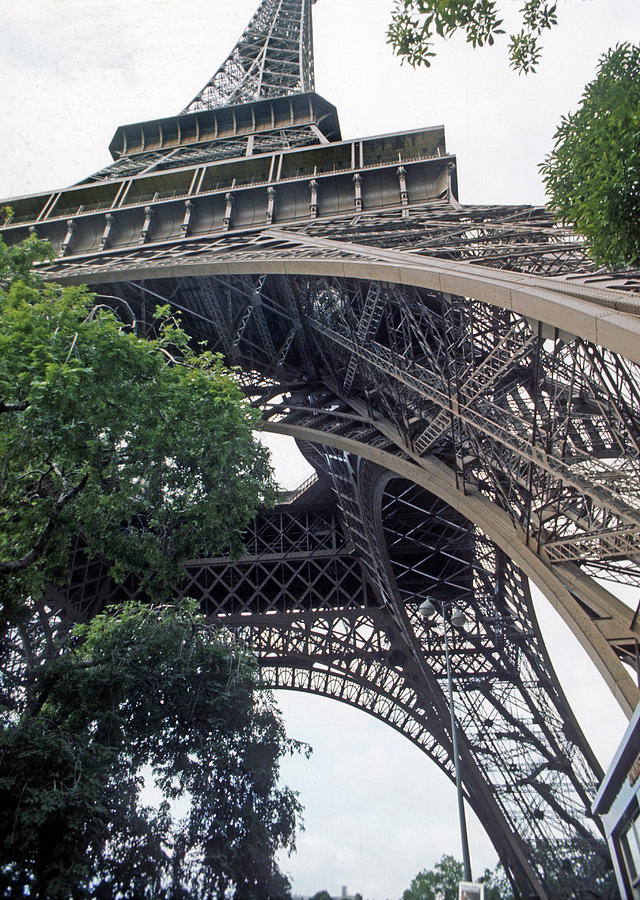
(618, 805)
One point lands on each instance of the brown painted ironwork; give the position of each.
(464, 381)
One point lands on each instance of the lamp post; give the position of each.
(427, 609)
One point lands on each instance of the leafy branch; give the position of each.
(39, 546)
(592, 176)
(156, 687)
(156, 427)
(415, 23)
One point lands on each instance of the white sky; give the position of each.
(377, 811)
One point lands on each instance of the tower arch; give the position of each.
(462, 370)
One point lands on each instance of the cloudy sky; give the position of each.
(377, 811)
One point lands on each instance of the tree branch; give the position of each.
(38, 548)
(13, 407)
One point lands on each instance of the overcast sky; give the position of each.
(377, 811)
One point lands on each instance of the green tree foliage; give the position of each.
(143, 446)
(444, 878)
(150, 687)
(321, 895)
(575, 870)
(414, 24)
(592, 175)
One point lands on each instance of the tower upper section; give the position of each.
(273, 58)
(260, 100)
(256, 146)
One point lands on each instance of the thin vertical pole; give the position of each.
(464, 840)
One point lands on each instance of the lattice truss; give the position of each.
(513, 716)
(524, 240)
(545, 427)
(273, 58)
(205, 152)
(517, 238)
(327, 614)
(520, 734)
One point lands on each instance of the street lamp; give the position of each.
(428, 608)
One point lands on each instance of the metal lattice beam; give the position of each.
(318, 620)
(540, 452)
(464, 381)
(273, 58)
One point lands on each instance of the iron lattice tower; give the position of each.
(465, 384)
(273, 58)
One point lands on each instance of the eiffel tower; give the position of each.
(463, 381)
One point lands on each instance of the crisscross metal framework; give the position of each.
(465, 383)
(273, 58)
(396, 392)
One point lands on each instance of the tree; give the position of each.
(415, 22)
(321, 895)
(143, 449)
(444, 877)
(143, 446)
(496, 884)
(579, 869)
(150, 687)
(592, 176)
